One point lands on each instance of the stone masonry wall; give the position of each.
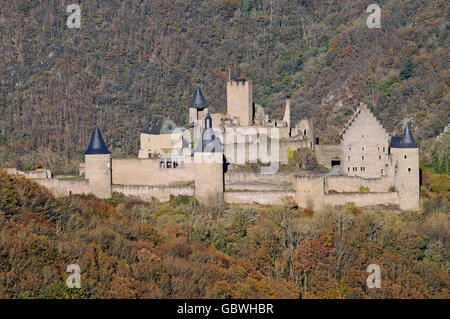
(148, 172)
(258, 197)
(146, 193)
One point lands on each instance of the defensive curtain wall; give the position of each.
(145, 179)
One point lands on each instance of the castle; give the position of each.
(368, 168)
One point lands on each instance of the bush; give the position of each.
(363, 189)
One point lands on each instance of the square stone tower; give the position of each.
(240, 101)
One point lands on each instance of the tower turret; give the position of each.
(405, 169)
(197, 113)
(208, 166)
(98, 166)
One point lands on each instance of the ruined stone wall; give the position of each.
(293, 145)
(148, 172)
(65, 187)
(146, 193)
(326, 153)
(35, 174)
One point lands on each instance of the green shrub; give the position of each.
(363, 189)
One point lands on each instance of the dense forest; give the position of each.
(132, 58)
(182, 249)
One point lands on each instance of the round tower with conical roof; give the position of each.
(98, 166)
(208, 166)
(405, 170)
(198, 108)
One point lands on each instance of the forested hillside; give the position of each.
(132, 58)
(180, 249)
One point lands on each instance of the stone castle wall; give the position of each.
(248, 177)
(148, 172)
(362, 199)
(259, 197)
(352, 183)
(146, 193)
(65, 187)
(326, 153)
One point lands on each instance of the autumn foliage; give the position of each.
(181, 249)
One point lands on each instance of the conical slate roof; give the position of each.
(198, 101)
(208, 142)
(405, 141)
(97, 144)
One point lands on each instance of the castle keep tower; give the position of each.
(405, 169)
(98, 166)
(208, 166)
(240, 101)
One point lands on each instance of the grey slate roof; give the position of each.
(208, 142)
(97, 144)
(198, 101)
(161, 124)
(405, 141)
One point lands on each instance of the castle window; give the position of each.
(384, 149)
(348, 169)
(405, 155)
(381, 171)
(378, 148)
(362, 157)
(304, 132)
(349, 148)
(169, 164)
(363, 169)
(362, 136)
(363, 148)
(409, 169)
(379, 156)
(161, 164)
(175, 164)
(349, 158)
